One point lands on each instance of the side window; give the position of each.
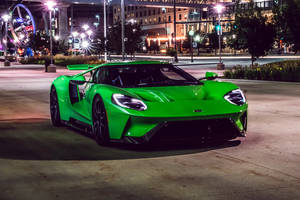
(171, 74)
(100, 76)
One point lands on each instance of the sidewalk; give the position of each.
(38, 70)
(210, 57)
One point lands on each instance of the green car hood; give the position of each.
(184, 101)
(168, 94)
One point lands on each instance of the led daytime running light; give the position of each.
(127, 100)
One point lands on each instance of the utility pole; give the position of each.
(123, 29)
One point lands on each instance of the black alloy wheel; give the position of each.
(100, 123)
(54, 108)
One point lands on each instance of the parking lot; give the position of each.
(39, 161)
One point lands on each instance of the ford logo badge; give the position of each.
(197, 110)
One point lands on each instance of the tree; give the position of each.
(39, 41)
(133, 35)
(213, 38)
(286, 15)
(252, 32)
(201, 39)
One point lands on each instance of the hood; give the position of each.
(169, 93)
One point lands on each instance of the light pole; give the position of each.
(123, 29)
(197, 39)
(5, 18)
(74, 37)
(191, 34)
(175, 45)
(51, 5)
(219, 8)
(104, 24)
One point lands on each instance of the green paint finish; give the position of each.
(164, 103)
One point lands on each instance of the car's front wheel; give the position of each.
(54, 108)
(100, 123)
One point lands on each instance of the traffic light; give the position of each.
(218, 29)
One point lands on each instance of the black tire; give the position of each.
(54, 108)
(100, 123)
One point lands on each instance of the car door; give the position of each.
(78, 97)
(81, 107)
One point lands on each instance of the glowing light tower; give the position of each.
(219, 8)
(5, 18)
(50, 5)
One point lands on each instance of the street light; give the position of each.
(219, 8)
(197, 38)
(89, 32)
(82, 35)
(85, 27)
(75, 34)
(50, 5)
(85, 44)
(5, 18)
(56, 38)
(191, 34)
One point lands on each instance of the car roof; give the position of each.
(137, 62)
(122, 63)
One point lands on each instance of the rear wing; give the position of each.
(81, 66)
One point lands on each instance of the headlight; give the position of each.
(128, 102)
(235, 97)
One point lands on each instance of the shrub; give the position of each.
(171, 52)
(278, 71)
(61, 60)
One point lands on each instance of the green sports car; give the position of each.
(136, 102)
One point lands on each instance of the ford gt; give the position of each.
(136, 102)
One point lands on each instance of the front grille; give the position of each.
(203, 129)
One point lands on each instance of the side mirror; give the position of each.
(211, 75)
(80, 80)
(77, 82)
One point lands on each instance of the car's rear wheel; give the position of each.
(54, 108)
(100, 123)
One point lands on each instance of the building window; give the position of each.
(141, 14)
(159, 19)
(180, 17)
(141, 21)
(169, 18)
(145, 13)
(136, 14)
(158, 11)
(153, 12)
(149, 12)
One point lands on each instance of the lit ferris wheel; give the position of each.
(22, 25)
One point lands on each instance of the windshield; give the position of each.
(148, 75)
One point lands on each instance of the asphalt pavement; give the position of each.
(39, 161)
